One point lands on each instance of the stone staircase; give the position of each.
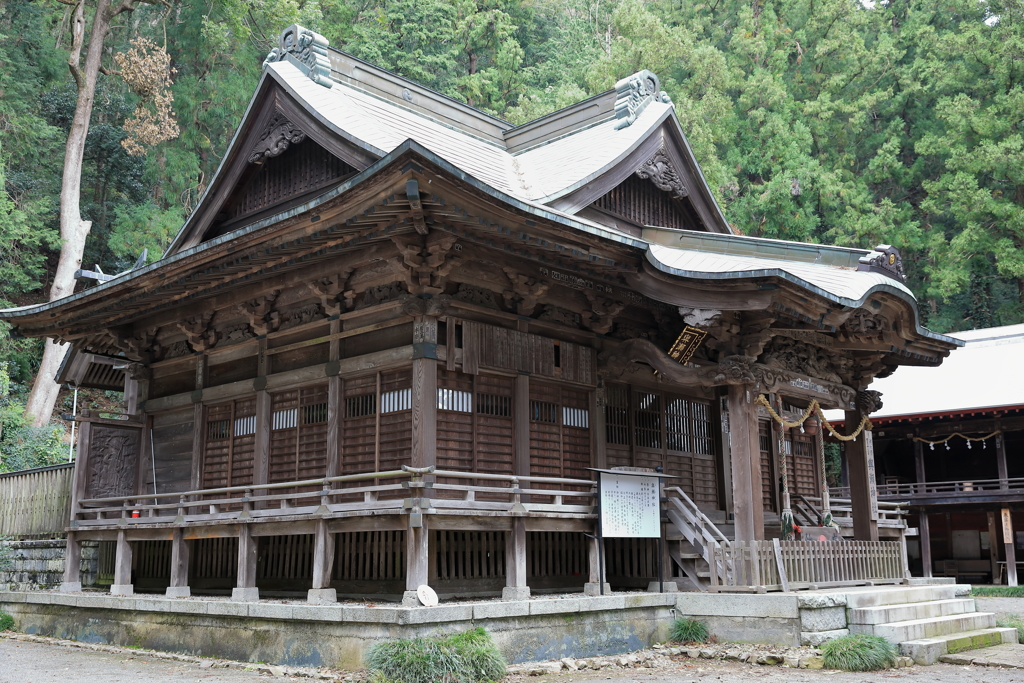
(926, 621)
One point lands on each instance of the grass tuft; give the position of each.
(997, 591)
(6, 622)
(1012, 621)
(859, 653)
(689, 631)
(469, 657)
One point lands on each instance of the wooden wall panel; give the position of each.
(359, 425)
(395, 420)
(229, 439)
(801, 461)
(495, 448)
(172, 442)
(455, 421)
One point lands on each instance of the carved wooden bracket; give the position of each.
(261, 318)
(602, 313)
(139, 346)
(329, 289)
(427, 261)
(197, 329)
(278, 134)
(659, 170)
(434, 306)
(869, 401)
(526, 291)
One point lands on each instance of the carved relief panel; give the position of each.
(112, 461)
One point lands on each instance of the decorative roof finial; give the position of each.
(634, 93)
(307, 49)
(886, 260)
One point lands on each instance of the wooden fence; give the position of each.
(36, 503)
(760, 566)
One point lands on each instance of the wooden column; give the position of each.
(417, 560)
(745, 449)
(993, 545)
(424, 392)
(919, 466)
(122, 567)
(198, 423)
(521, 425)
(860, 456)
(1008, 544)
(334, 407)
(179, 587)
(323, 565)
(261, 448)
(593, 585)
(598, 432)
(1001, 461)
(72, 582)
(924, 534)
(515, 562)
(246, 590)
(720, 417)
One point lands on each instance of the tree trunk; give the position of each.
(73, 230)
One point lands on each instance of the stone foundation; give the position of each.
(40, 564)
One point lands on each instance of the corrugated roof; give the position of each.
(986, 373)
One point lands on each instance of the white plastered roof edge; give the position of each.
(965, 381)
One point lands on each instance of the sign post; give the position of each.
(629, 506)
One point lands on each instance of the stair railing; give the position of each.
(698, 529)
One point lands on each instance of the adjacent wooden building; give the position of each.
(396, 332)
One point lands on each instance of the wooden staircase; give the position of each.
(692, 536)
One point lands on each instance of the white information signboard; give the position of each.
(630, 506)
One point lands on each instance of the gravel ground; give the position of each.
(728, 672)
(1001, 606)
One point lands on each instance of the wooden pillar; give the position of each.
(1001, 461)
(122, 567)
(598, 432)
(993, 545)
(179, 587)
(131, 394)
(246, 590)
(424, 392)
(323, 566)
(515, 562)
(745, 449)
(521, 425)
(596, 570)
(919, 466)
(198, 423)
(334, 406)
(72, 582)
(261, 448)
(1011, 553)
(720, 417)
(924, 534)
(860, 456)
(417, 548)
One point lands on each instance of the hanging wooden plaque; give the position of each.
(688, 341)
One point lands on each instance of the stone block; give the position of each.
(792, 661)
(595, 589)
(823, 619)
(738, 605)
(816, 638)
(812, 662)
(93, 601)
(178, 592)
(322, 596)
(411, 599)
(515, 593)
(442, 614)
(961, 590)
(634, 600)
(317, 612)
(1009, 635)
(122, 589)
(820, 600)
(268, 610)
(227, 609)
(245, 594)
(501, 610)
(925, 651)
(605, 602)
(554, 606)
(657, 586)
(372, 615)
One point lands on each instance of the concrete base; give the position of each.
(178, 592)
(71, 587)
(125, 589)
(245, 594)
(656, 587)
(515, 593)
(322, 596)
(592, 589)
(411, 599)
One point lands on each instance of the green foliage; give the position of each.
(468, 657)
(6, 622)
(21, 445)
(685, 630)
(997, 592)
(1012, 621)
(859, 652)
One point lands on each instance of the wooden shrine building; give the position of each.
(395, 333)
(949, 444)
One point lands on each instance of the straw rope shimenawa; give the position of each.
(966, 438)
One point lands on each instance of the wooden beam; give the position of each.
(179, 587)
(516, 587)
(72, 582)
(122, 567)
(1001, 461)
(919, 466)
(924, 534)
(323, 565)
(1008, 543)
(860, 455)
(246, 590)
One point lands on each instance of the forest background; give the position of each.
(844, 122)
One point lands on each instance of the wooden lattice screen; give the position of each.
(298, 434)
(559, 431)
(640, 202)
(767, 479)
(229, 443)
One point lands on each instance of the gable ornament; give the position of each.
(659, 170)
(306, 49)
(278, 135)
(633, 94)
(885, 259)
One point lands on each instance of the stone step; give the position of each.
(927, 651)
(916, 629)
(886, 614)
(873, 597)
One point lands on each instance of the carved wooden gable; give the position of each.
(654, 194)
(286, 167)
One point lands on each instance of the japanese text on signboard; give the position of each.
(629, 506)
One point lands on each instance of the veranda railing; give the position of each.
(761, 566)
